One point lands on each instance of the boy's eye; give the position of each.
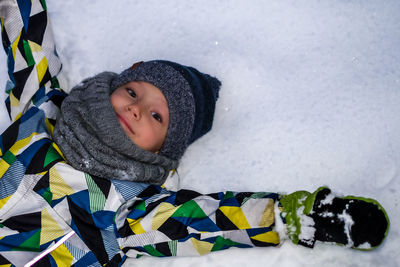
(156, 116)
(131, 92)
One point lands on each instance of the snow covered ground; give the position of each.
(310, 97)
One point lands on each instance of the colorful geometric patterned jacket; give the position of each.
(55, 215)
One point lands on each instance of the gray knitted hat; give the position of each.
(191, 97)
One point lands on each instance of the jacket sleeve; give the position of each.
(32, 60)
(187, 223)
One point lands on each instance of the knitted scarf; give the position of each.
(92, 140)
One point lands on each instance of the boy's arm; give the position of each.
(32, 60)
(186, 223)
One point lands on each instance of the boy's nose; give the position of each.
(135, 111)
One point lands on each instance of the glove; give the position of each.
(355, 222)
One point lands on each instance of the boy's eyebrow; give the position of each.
(163, 108)
(134, 87)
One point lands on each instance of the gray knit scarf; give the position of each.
(92, 139)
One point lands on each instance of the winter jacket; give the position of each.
(53, 214)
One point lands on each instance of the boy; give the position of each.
(80, 174)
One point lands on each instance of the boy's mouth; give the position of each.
(124, 123)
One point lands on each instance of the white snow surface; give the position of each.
(310, 97)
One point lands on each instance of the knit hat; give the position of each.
(191, 97)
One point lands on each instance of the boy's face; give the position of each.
(142, 111)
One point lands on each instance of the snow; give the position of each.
(348, 223)
(310, 97)
(327, 200)
(307, 229)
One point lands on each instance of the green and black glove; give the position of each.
(355, 222)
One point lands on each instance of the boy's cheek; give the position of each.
(116, 101)
(116, 96)
(113, 99)
(151, 140)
